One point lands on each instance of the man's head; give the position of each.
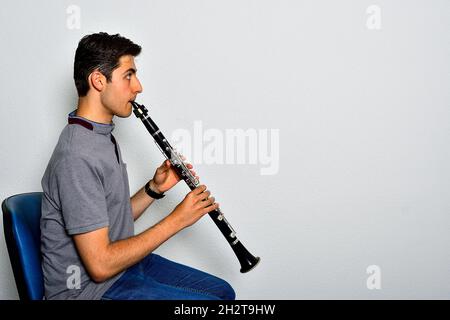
(104, 67)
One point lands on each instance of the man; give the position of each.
(88, 245)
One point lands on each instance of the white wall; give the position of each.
(363, 117)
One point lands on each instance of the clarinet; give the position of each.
(246, 259)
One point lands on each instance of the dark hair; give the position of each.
(100, 51)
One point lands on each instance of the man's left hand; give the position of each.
(165, 177)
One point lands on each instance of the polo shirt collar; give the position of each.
(97, 127)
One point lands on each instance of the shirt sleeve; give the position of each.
(81, 194)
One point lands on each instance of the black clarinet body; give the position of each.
(246, 259)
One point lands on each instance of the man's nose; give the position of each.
(137, 86)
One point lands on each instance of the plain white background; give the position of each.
(363, 116)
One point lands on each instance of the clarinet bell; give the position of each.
(246, 259)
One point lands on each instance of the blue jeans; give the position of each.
(157, 278)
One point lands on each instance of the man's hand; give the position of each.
(165, 177)
(195, 205)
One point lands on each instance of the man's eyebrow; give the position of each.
(132, 70)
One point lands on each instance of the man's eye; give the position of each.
(128, 76)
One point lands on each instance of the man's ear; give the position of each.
(97, 80)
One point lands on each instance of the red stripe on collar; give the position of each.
(81, 122)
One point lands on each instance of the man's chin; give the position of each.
(126, 113)
(129, 113)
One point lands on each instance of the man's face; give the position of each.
(122, 89)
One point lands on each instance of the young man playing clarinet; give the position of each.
(87, 224)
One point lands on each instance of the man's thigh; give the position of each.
(156, 277)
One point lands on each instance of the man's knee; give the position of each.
(227, 291)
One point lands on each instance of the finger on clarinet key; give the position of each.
(206, 195)
(200, 189)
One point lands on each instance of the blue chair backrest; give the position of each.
(21, 223)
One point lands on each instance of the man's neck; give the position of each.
(93, 111)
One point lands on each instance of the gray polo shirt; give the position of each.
(85, 188)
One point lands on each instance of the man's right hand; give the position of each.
(195, 205)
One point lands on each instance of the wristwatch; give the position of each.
(152, 193)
